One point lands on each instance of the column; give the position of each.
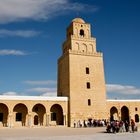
(65, 119)
(29, 120)
(10, 120)
(47, 119)
(119, 115)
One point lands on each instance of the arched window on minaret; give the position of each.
(76, 46)
(82, 32)
(83, 47)
(90, 48)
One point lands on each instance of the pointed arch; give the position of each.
(84, 47)
(76, 46)
(90, 48)
(76, 32)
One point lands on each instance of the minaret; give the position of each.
(81, 74)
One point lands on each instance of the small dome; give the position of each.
(79, 20)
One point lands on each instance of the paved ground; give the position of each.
(63, 133)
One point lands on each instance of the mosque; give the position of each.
(81, 90)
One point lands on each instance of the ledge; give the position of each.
(33, 98)
(117, 100)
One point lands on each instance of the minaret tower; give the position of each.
(81, 74)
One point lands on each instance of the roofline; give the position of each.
(117, 100)
(34, 98)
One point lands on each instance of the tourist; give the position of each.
(126, 126)
(108, 127)
(132, 125)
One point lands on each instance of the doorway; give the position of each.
(36, 120)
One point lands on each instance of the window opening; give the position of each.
(82, 32)
(88, 85)
(87, 70)
(18, 116)
(89, 102)
(53, 116)
(136, 118)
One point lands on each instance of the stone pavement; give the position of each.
(55, 133)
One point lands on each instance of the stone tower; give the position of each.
(81, 74)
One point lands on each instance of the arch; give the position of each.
(39, 112)
(84, 48)
(20, 110)
(90, 48)
(76, 46)
(125, 113)
(82, 33)
(136, 118)
(4, 114)
(57, 114)
(114, 114)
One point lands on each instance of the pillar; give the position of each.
(29, 120)
(119, 115)
(47, 119)
(64, 119)
(10, 120)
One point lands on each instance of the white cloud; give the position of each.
(12, 52)
(10, 93)
(47, 82)
(49, 94)
(17, 10)
(18, 33)
(42, 90)
(123, 89)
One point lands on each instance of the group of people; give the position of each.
(121, 126)
(89, 123)
(114, 126)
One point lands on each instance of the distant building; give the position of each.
(81, 89)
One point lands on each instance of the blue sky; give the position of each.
(32, 33)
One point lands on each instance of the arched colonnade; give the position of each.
(37, 114)
(122, 114)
